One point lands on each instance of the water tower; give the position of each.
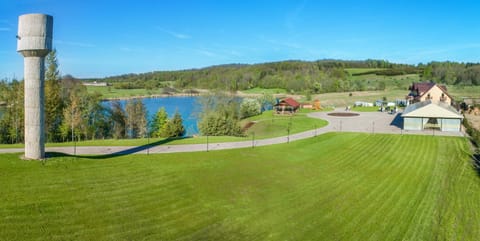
(34, 43)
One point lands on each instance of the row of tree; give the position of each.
(73, 113)
(314, 76)
(318, 76)
(452, 73)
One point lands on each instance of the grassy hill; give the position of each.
(337, 186)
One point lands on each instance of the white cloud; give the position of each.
(175, 34)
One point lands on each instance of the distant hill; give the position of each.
(328, 75)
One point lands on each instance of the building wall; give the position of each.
(435, 95)
(412, 124)
(418, 123)
(450, 124)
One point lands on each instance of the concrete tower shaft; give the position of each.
(34, 43)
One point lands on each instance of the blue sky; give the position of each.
(97, 38)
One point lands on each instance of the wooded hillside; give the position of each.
(314, 76)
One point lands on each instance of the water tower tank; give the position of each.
(34, 43)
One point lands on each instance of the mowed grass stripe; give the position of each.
(419, 225)
(395, 198)
(347, 186)
(377, 191)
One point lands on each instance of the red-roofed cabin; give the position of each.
(287, 106)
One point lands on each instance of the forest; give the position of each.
(320, 76)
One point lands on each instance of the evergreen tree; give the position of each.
(159, 122)
(220, 116)
(53, 99)
(174, 127)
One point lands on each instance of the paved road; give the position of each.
(370, 122)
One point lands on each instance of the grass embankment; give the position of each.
(337, 186)
(258, 90)
(109, 92)
(459, 91)
(267, 126)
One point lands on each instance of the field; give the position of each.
(337, 186)
(458, 92)
(258, 90)
(111, 92)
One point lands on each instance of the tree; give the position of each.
(141, 113)
(72, 117)
(267, 101)
(249, 107)
(96, 117)
(174, 127)
(119, 119)
(219, 116)
(53, 99)
(12, 120)
(136, 122)
(427, 73)
(159, 122)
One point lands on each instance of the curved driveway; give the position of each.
(369, 122)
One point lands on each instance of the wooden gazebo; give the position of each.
(286, 106)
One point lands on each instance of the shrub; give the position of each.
(249, 107)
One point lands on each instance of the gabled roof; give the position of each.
(431, 110)
(422, 87)
(291, 102)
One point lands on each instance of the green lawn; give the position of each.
(258, 90)
(337, 186)
(111, 92)
(343, 99)
(361, 70)
(463, 91)
(268, 125)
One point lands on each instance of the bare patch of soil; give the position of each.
(343, 114)
(248, 125)
(474, 120)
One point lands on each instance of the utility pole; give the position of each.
(253, 140)
(73, 136)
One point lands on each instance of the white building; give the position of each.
(429, 115)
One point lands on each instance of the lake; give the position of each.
(187, 106)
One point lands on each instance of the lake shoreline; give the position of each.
(200, 93)
(150, 96)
